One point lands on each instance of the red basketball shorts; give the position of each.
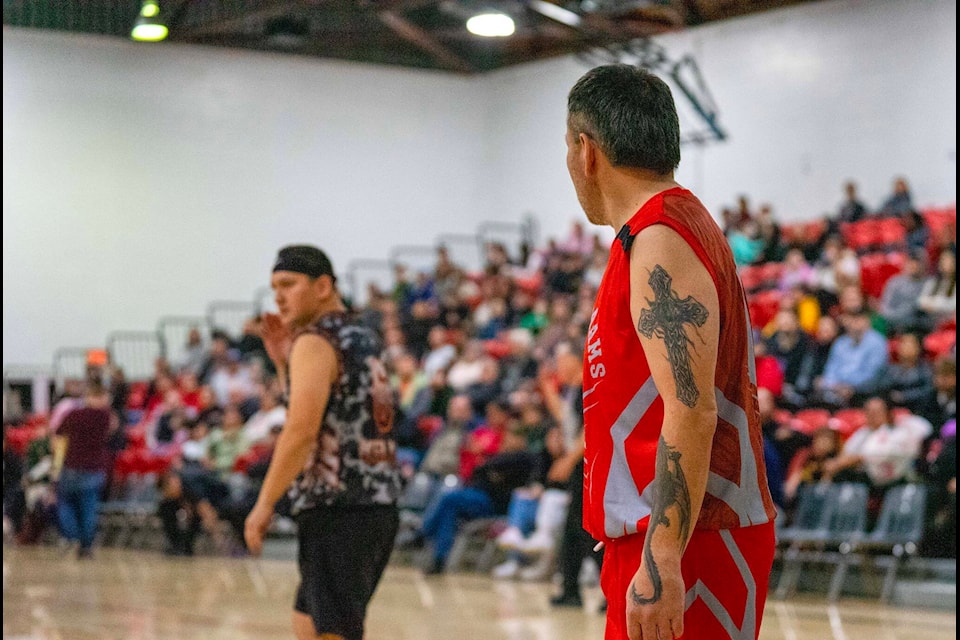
(726, 573)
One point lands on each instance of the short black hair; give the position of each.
(630, 113)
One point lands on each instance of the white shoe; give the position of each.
(506, 570)
(511, 538)
(539, 542)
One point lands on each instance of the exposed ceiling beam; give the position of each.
(417, 36)
(221, 25)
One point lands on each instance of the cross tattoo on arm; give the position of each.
(665, 319)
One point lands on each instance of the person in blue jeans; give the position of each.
(486, 494)
(85, 433)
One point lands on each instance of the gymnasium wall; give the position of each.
(144, 181)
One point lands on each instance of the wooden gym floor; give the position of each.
(132, 595)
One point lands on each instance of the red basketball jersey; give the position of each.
(622, 408)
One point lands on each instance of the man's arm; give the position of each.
(675, 308)
(313, 369)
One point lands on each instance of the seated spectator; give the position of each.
(519, 364)
(486, 493)
(443, 455)
(918, 234)
(796, 272)
(768, 369)
(880, 454)
(745, 243)
(851, 210)
(407, 380)
(938, 299)
(488, 388)
(853, 364)
(441, 354)
(468, 368)
(900, 301)
(272, 413)
(811, 464)
(795, 395)
(231, 378)
(899, 202)
(535, 516)
(194, 354)
(228, 443)
(536, 319)
(940, 405)
(908, 381)
(786, 440)
(485, 440)
(788, 344)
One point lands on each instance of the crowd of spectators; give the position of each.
(486, 414)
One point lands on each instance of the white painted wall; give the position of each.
(810, 96)
(143, 181)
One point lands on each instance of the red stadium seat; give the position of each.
(891, 233)
(752, 278)
(846, 421)
(771, 272)
(939, 342)
(861, 236)
(814, 230)
(871, 274)
(763, 306)
(429, 426)
(809, 420)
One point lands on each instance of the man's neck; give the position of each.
(627, 190)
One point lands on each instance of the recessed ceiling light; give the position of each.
(491, 25)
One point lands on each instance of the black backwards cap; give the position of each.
(306, 259)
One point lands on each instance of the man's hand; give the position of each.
(255, 528)
(655, 601)
(276, 339)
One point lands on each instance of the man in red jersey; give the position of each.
(674, 480)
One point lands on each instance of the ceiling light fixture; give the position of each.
(491, 25)
(149, 26)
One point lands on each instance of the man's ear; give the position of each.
(588, 154)
(325, 286)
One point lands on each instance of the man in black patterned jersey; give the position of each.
(336, 456)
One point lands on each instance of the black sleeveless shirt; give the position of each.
(354, 460)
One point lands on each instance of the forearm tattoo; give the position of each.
(670, 491)
(665, 319)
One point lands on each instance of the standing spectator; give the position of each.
(84, 437)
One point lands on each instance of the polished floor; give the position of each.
(130, 595)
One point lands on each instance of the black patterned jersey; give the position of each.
(354, 459)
